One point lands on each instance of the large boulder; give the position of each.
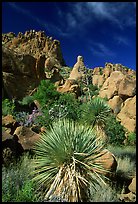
(78, 70)
(24, 58)
(21, 74)
(127, 87)
(26, 137)
(9, 123)
(70, 86)
(98, 80)
(132, 186)
(111, 85)
(108, 161)
(116, 104)
(127, 115)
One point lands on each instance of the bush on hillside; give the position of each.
(114, 131)
(46, 93)
(8, 107)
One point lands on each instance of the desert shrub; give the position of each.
(46, 93)
(94, 90)
(131, 138)
(71, 104)
(8, 107)
(104, 193)
(26, 119)
(44, 119)
(17, 185)
(27, 100)
(125, 166)
(114, 131)
(123, 151)
(66, 161)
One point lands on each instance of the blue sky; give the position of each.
(99, 31)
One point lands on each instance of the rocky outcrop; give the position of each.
(116, 103)
(26, 137)
(21, 74)
(98, 80)
(127, 115)
(24, 59)
(111, 85)
(70, 86)
(117, 83)
(34, 43)
(78, 70)
(9, 123)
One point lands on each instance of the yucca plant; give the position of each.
(96, 113)
(66, 161)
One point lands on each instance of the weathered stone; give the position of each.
(110, 86)
(108, 161)
(132, 186)
(127, 115)
(127, 88)
(98, 80)
(70, 86)
(128, 197)
(78, 70)
(27, 138)
(8, 120)
(116, 104)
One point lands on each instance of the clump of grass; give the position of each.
(124, 151)
(16, 182)
(104, 194)
(126, 166)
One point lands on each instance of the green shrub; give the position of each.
(8, 107)
(17, 185)
(114, 131)
(71, 104)
(131, 138)
(27, 100)
(46, 93)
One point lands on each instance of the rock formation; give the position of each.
(24, 60)
(78, 70)
(118, 84)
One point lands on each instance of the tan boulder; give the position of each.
(96, 71)
(127, 115)
(78, 70)
(70, 86)
(115, 103)
(107, 70)
(127, 87)
(127, 197)
(51, 63)
(8, 120)
(132, 186)
(110, 86)
(27, 138)
(108, 161)
(98, 80)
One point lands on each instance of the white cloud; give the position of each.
(99, 49)
(81, 14)
(122, 40)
